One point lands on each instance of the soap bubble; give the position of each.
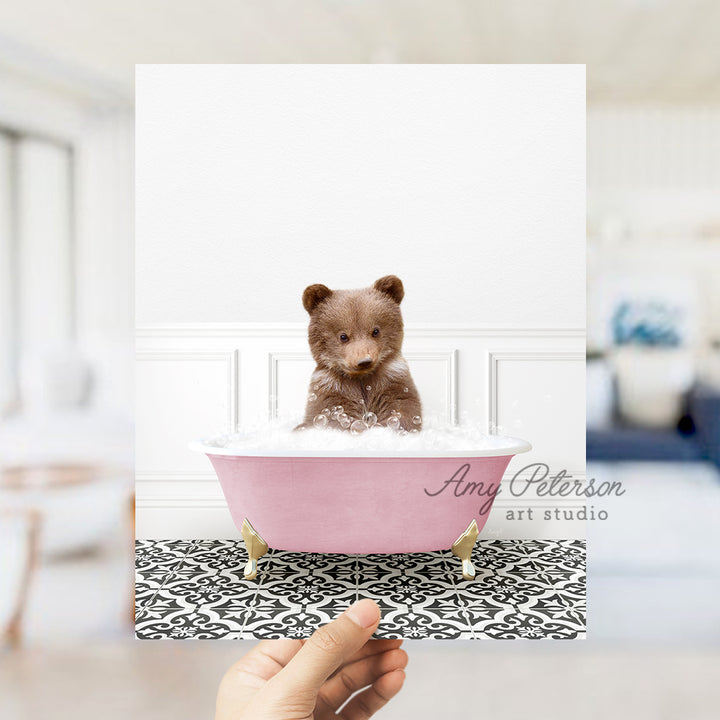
(396, 413)
(436, 434)
(326, 411)
(320, 421)
(368, 387)
(357, 427)
(393, 422)
(312, 396)
(417, 419)
(344, 420)
(336, 411)
(370, 419)
(402, 431)
(407, 390)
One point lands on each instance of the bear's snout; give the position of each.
(360, 360)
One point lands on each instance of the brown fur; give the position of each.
(338, 378)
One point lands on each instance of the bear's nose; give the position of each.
(365, 363)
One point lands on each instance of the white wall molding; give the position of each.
(450, 362)
(266, 371)
(564, 404)
(272, 330)
(196, 501)
(447, 362)
(494, 358)
(231, 358)
(274, 360)
(176, 477)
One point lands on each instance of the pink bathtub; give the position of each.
(338, 502)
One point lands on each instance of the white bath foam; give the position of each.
(279, 438)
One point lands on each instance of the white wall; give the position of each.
(255, 181)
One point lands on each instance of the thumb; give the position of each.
(328, 648)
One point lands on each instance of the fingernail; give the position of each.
(364, 613)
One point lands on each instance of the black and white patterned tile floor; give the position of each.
(523, 589)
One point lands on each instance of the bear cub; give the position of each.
(361, 378)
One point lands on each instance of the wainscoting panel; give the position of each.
(289, 381)
(196, 380)
(535, 395)
(435, 374)
(180, 395)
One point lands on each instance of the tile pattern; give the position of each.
(523, 589)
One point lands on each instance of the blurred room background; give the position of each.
(66, 348)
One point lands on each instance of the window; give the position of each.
(37, 267)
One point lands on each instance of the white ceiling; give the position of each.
(635, 50)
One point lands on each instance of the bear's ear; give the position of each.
(314, 295)
(392, 286)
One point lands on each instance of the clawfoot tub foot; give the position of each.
(463, 547)
(256, 548)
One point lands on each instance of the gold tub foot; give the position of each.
(256, 548)
(463, 547)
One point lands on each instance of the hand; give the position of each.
(312, 679)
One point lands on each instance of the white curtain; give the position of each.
(37, 285)
(8, 338)
(45, 253)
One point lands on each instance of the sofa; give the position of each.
(696, 437)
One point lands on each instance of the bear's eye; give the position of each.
(343, 337)
(376, 332)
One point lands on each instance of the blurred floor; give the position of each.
(167, 680)
(653, 565)
(84, 597)
(653, 624)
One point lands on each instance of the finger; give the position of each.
(372, 646)
(266, 659)
(358, 675)
(246, 676)
(369, 701)
(327, 649)
(375, 647)
(281, 651)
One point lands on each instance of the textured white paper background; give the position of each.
(468, 181)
